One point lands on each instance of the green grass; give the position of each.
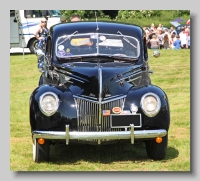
(171, 73)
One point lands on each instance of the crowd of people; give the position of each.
(162, 38)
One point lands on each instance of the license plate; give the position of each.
(124, 121)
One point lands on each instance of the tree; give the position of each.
(85, 14)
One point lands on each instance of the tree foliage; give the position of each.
(85, 14)
(128, 14)
(182, 13)
(139, 17)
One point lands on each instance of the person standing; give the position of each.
(188, 40)
(154, 42)
(172, 40)
(173, 31)
(151, 33)
(183, 38)
(160, 39)
(166, 41)
(41, 33)
(159, 28)
(152, 26)
(187, 31)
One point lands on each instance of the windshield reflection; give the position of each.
(95, 44)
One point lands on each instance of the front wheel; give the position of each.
(33, 46)
(157, 151)
(41, 152)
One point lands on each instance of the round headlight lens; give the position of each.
(48, 103)
(150, 104)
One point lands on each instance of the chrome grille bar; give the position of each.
(89, 113)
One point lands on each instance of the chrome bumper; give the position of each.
(67, 135)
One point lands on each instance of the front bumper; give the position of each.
(67, 135)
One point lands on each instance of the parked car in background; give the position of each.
(180, 27)
(95, 88)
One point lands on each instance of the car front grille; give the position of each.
(90, 117)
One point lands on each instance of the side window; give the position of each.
(48, 47)
(12, 13)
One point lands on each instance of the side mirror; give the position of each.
(156, 54)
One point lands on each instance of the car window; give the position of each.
(96, 43)
(12, 13)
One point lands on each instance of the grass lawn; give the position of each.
(171, 73)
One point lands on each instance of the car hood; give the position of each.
(99, 80)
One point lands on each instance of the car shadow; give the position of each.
(106, 154)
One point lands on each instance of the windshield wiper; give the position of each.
(67, 37)
(127, 40)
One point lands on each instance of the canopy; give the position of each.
(175, 23)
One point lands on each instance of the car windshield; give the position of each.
(97, 44)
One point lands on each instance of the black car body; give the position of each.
(95, 88)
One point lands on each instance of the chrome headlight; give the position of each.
(48, 103)
(150, 104)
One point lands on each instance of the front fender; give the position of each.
(162, 119)
(66, 113)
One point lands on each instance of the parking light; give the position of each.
(158, 139)
(41, 141)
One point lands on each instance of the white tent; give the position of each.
(175, 23)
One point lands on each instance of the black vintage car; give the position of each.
(95, 88)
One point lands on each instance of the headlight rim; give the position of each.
(152, 114)
(57, 102)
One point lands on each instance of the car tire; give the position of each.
(157, 151)
(33, 45)
(41, 152)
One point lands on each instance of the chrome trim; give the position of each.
(133, 79)
(112, 97)
(96, 102)
(97, 43)
(72, 79)
(100, 99)
(67, 134)
(90, 113)
(135, 73)
(85, 97)
(71, 76)
(133, 135)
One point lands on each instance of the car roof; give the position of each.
(94, 27)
